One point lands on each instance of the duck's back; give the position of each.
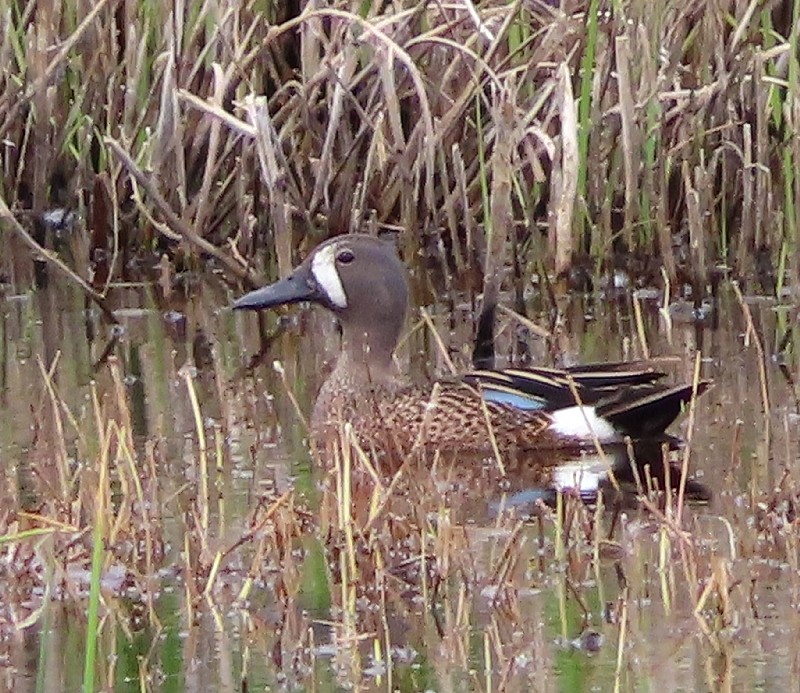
(394, 417)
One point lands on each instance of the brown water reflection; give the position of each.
(522, 633)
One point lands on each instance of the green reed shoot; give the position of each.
(98, 554)
(585, 101)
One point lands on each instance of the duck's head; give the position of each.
(359, 278)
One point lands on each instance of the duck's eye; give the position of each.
(345, 256)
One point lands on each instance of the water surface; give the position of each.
(523, 618)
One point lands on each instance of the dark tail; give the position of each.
(648, 415)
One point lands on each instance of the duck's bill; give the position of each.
(295, 288)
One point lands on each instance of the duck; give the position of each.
(526, 413)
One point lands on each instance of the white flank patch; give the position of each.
(578, 476)
(323, 267)
(582, 423)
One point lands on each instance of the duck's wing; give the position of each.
(549, 389)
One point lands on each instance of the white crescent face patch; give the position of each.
(323, 267)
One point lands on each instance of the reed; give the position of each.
(229, 139)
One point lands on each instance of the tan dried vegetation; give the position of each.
(222, 128)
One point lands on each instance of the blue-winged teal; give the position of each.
(363, 282)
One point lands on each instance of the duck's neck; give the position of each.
(368, 355)
(360, 373)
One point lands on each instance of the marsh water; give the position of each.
(285, 630)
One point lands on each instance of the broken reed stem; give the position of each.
(561, 595)
(344, 478)
(525, 322)
(254, 531)
(348, 435)
(573, 388)
(98, 552)
(385, 630)
(752, 332)
(623, 629)
(664, 307)
(212, 576)
(202, 472)
(348, 566)
(55, 405)
(566, 187)
(426, 316)
(377, 510)
(640, 331)
(559, 539)
(689, 435)
(219, 479)
(507, 559)
(498, 458)
(498, 214)
(134, 473)
(585, 101)
(487, 662)
(664, 545)
(637, 479)
(277, 366)
(597, 519)
(629, 141)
